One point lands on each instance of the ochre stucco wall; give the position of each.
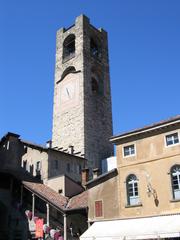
(107, 192)
(151, 164)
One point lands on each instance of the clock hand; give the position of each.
(67, 92)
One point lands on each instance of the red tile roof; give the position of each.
(63, 203)
(78, 201)
(48, 194)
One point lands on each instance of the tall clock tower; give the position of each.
(82, 116)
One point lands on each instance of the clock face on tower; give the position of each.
(69, 91)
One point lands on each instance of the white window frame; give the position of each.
(171, 133)
(130, 155)
(38, 166)
(134, 199)
(175, 192)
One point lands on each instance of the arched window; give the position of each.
(132, 190)
(175, 179)
(68, 70)
(95, 50)
(94, 86)
(69, 47)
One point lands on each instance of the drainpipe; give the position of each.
(33, 204)
(65, 227)
(47, 206)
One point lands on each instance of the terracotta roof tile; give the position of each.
(78, 201)
(48, 194)
(59, 201)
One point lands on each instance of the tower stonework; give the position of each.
(82, 115)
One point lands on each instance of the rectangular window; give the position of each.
(38, 169)
(98, 209)
(38, 166)
(25, 164)
(172, 139)
(129, 150)
(175, 179)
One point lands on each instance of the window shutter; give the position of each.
(98, 209)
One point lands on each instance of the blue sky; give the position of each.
(144, 51)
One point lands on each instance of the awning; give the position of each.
(136, 228)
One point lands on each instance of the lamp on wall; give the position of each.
(150, 190)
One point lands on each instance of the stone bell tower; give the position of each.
(82, 116)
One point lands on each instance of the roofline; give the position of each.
(66, 176)
(9, 134)
(101, 177)
(76, 209)
(37, 146)
(146, 129)
(62, 210)
(46, 149)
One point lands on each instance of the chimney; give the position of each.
(95, 173)
(49, 144)
(71, 149)
(84, 176)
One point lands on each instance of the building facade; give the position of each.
(103, 201)
(44, 181)
(143, 199)
(148, 162)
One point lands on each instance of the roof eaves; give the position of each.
(146, 129)
(76, 209)
(37, 146)
(65, 153)
(101, 177)
(62, 209)
(8, 134)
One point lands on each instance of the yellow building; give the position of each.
(147, 190)
(148, 161)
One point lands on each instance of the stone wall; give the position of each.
(68, 118)
(62, 163)
(86, 120)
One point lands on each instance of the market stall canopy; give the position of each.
(137, 228)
